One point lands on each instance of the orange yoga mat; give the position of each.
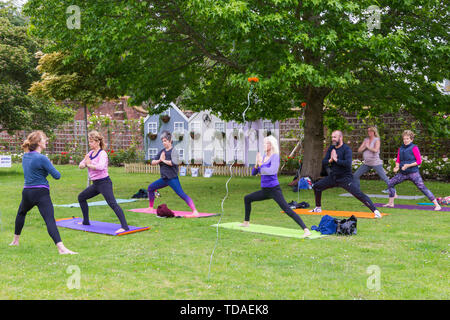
(368, 215)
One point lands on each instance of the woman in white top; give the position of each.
(370, 149)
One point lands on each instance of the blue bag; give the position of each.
(327, 225)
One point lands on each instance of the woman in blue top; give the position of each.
(36, 190)
(270, 187)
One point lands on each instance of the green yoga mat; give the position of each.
(91, 204)
(274, 231)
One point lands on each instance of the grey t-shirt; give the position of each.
(169, 172)
(372, 158)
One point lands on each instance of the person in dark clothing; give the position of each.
(36, 190)
(168, 160)
(339, 159)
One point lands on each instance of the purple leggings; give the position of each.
(415, 178)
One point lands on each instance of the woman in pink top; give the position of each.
(97, 163)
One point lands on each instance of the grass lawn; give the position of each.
(171, 260)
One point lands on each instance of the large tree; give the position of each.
(18, 110)
(314, 51)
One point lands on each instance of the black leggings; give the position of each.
(39, 197)
(275, 194)
(105, 187)
(347, 184)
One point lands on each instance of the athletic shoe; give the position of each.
(293, 204)
(377, 214)
(316, 209)
(385, 191)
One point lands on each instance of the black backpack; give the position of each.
(142, 193)
(346, 226)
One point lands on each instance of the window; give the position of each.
(195, 126)
(218, 154)
(268, 125)
(219, 126)
(181, 154)
(152, 152)
(196, 154)
(153, 127)
(178, 127)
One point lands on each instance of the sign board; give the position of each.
(5, 161)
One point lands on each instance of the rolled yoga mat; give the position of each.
(367, 215)
(269, 230)
(177, 213)
(411, 207)
(385, 196)
(96, 226)
(91, 204)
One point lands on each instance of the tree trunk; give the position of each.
(314, 135)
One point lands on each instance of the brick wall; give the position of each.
(122, 134)
(390, 128)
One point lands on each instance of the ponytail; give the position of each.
(33, 140)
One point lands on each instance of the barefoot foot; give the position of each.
(307, 233)
(194, 214)
(15, 241)
(63, 250)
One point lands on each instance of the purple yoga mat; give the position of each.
(96, 226)
(411, 207)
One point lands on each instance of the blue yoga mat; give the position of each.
(96, 203)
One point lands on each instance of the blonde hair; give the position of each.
(408, 133)
(374, 130)
(97, 136)
(273, 141)
(32, 141)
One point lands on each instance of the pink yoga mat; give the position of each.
(177, 213)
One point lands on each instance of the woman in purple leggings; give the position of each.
(408, 161)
